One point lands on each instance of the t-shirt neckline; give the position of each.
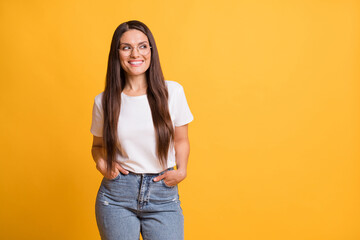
(139, 96)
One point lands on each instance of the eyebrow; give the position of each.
(138, 44)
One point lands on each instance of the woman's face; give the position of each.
(132, 61)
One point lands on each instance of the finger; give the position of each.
(169, 184)
(114, 174)
(158, 178)
(121, 169)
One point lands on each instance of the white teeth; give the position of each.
(136, 63)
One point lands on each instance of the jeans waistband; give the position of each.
(152, 174)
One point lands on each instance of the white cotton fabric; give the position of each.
(136, 130)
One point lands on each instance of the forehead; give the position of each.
(133, 36)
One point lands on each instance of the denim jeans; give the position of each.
(134, 203)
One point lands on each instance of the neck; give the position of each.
(135, 83)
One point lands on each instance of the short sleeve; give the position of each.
(97, 120)
(182, 111)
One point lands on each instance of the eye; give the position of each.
(144, 46)
(126, 48)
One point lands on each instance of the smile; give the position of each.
(135, 63)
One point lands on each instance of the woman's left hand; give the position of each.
(172, 177)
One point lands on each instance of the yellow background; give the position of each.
(273, 87)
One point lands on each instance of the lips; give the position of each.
(136, 63)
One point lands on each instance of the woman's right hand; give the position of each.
(116, 168)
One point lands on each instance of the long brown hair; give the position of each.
(157, 95)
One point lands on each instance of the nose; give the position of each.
(135, 52)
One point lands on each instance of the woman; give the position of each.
(140, 127)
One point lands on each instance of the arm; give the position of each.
(182, 150)
(97, 151)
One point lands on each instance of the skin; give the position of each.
(136, 85)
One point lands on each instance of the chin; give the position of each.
(137, 72)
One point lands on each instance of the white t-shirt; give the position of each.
(136, 130)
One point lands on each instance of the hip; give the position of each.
(138, 191)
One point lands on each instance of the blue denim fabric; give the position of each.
(134, 203)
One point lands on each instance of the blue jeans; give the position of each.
(134, 203)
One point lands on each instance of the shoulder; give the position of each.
(173, 87)
(176, 93)
(98, 99)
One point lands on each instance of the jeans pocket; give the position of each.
(116, 178)
(163, 182)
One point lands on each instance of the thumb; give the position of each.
(121, 169)
(158, 178)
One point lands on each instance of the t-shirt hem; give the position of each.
(139, 172)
